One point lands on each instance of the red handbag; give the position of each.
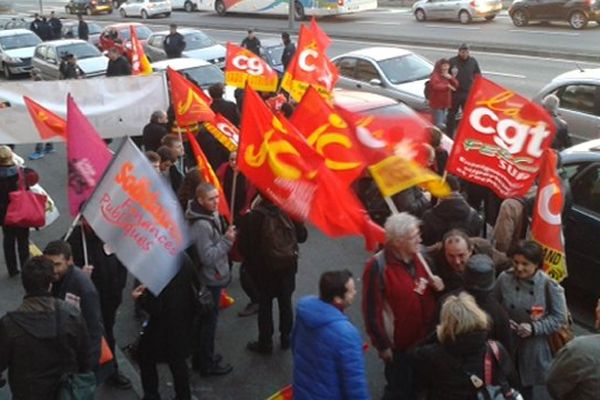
(25, 209)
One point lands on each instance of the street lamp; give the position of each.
(291, 4)
(41, 8)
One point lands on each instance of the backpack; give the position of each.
(278, 239)
(427, 89)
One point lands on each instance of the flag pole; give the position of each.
(233, 189)
(73, 224)
(391, 205)
(84, 245)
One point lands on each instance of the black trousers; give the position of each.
(248, 285)
(400, 380)
(149, 375)
(20, 237)
(277, 285)
(458, 102)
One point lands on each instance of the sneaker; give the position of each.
(36, 155)
(285, 342)
(259, 347)
(217, 370)
(49, 150)
(251, 309)
(119, 381)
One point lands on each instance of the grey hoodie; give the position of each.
(207, 233)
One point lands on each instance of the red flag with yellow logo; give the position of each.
(243, 67)
(139, 62)
(209, 175)
(329, 135)
(47, 123)
(190, 103)
(279, 162)
(224, 131)
(310, 64)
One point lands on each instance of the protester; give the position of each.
(269, 244)
(441, 155)
(155, 130)
(83, 30)
(442, 85)
(30, 337)
(168, 168)
(446, 368)
(289, 49)
(464, 68)
(562, 140)
(537, 307)
(212, 240)
(397, 287)
(10, 181)
(226, 108)
(511, 223)
(35, 25)
(75, 287)
(41, 149)
(174, 43)
(55, 26)
(251, 42)
(118, 65)
(154, 159)
(187, 190)
(69, 69)
(575, 371)
(324, 336)
(167, 335)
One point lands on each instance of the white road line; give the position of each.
(466, 28)
(376, 23)
(504, 74)
(544, 32)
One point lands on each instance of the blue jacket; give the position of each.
(328, 355)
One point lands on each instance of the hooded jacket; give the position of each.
(32, 352)
(207, 231)
(328, 356)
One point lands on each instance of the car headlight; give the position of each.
(13, 60)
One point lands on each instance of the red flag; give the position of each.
(87, 156)
(47, 123)
(139, 62)
(279, 162)
(546, 226)
(209, 175)
(243, 67)
(500, 140)
(190, 103)
(224, 131)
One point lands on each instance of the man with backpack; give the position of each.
(269, 244)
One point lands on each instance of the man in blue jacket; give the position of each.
(324, 336)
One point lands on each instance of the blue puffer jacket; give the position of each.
(328, 356)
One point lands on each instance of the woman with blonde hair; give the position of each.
(446, 369)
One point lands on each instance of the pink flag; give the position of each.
(87, 156)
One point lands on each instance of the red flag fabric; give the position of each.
(87, 156)
(190, 103)
(546, 226)
(209, 176)
(279, 162)
(139, 62)
(500, 140)
(47, 123)
(224, 131)
(243, 67)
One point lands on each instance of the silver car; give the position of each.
(48, 55)
(145, 8)
(462, 10)
(579, 94)
(197, 45)
(16, 50)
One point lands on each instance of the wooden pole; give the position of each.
(232, 198)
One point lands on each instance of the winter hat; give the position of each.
(479, 273)
(6, 156)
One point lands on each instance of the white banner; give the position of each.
(116, 106)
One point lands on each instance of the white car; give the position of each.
(16, 50)
(197, 45)
(187, 5)
(145, 8)
(389, 71)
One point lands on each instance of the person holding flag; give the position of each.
(117, 64)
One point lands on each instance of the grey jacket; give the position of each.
(575, 372)
(517, 297)
(207, 234)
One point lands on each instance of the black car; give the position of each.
(576, 12)
(89, 7)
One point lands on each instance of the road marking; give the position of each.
(466, 28)
(504, 74)
(544, 32)
(376, 22)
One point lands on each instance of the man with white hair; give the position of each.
(562, 140)
(398, 302)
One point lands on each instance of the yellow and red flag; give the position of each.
(310, 64)
(546, 225)
(224, 131)
(287, 393)
(209, 175)
(139, 62)
(190, 103)
(47, 123)
(243, 67)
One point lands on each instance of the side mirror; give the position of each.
(375, 82)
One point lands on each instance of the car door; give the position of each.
(580, 108)
(155, 49)
(39, 61)
(366, 75)
(581, 230)
(53, 63)
(433, 9)
(346, 68)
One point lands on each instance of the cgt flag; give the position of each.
(190, 103)
(139, 62)
(500, 140)
(546, 225)
(47, 123)
(224, 131)
(243, 67)
(135, 212)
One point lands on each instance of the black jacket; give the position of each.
(500, 327)
(174, 44)
(55, 27)
(562, 140)
(467, 69)
(70, 71)
(118, 67)
(228, 109)
(252, 44)
(32, 352)
(83, 30)
(152, 135)
(35, 25)
(288, 53)
(215, 152)
(76, 286)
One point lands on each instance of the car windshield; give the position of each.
(274, 54)
(19, 41)
(80, 50)
(204, 76)
(94, 28)
(198, 40)
(142, 32)
(406, 68)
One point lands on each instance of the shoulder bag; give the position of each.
(558, 339)
(26, 209)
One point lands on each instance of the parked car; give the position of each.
(579, 94)
(581, 165)
(462, 10)
(119, 36)
(89, 7)
(145, 8)
(197, 45)
(187, 5)
(48, 55)
(271, 51)
(16, 51)
(14, 22)
(70, 30)
(389, 71)
(576, 12)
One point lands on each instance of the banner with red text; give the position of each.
(243, 67)
(500, 140)
(135, 212)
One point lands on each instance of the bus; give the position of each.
(302, 8)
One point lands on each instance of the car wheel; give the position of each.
(299, 14)
(188, 6)
(144, 14)
(420, 15)
(490, 17)
(464, 17)
(220, 7)
(88, 11)
(6, 72)
(520, 18)
(123, 13)
(578, 20)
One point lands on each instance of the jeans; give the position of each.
(438, 116)
(208, 329)
(399, 376)
(279, 286)
(458, 102)
(20, 236)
